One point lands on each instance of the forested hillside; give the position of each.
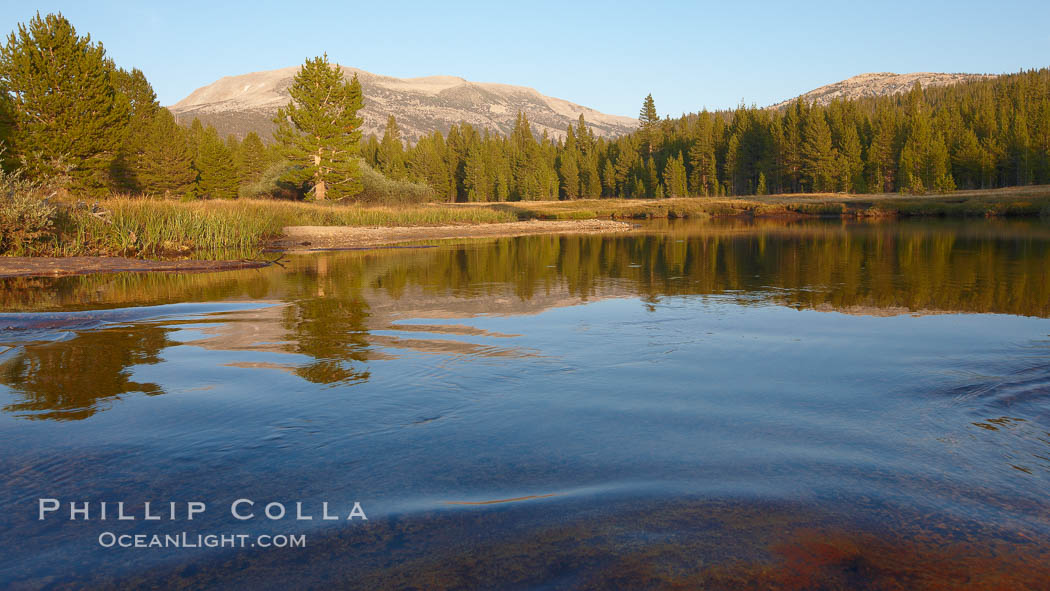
(978, 134)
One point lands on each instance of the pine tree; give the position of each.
(966, 161)
(791, 148)
(370, 150)
(852, 164)
(584, 136)
(917, 160)
(218, 174)
(476, 177)
(251, 159)
(570, 175)
(761, 189)
(652, 179)
(590, 183)
(390, 156)
(64, 108)
(674, 177)
(818, 155)
(704, 175)
(730, 165)
(649, 125)
(141, 103)
(1020, 147)
(194, 137)
(881, 163)
(427, 164)
(7, 123)
(319, 130)
(608, 179)
(166, 164)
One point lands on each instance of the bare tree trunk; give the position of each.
(319, 188)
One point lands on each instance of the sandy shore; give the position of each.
(45, 266)
(322, 237)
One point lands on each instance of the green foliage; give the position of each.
(251, 159)
(390, 156)
(230, 230)
(569, 171)
(762, 189)
(319, 130)
(648, 124)
(674, 177)
(136, 95)
(378, 189)
(25, 214)
(704, 175)
(944, 184)
(217, 171)
(818, 155)
(63, 103)
(165, 164)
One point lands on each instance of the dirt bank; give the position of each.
(45, 266)
(321, 237)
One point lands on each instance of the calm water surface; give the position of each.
(728, 405)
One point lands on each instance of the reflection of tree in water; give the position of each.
(862, 268)
(327, 322)
(71, 380)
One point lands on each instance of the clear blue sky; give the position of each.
(605, 55)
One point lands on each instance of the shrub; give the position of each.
(944, 184)
(270, 185)
(26, 216)
(380, 190)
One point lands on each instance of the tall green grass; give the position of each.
(153, 228)
(226, 229)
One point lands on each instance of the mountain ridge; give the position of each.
(247, 102)
(874, 84)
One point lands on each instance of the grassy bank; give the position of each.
(1019, 201)
(150, 228)
(218, 229)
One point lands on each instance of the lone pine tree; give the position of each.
(319, 130)
(648, 124)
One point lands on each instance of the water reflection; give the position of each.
(340, 310)
(75, 378)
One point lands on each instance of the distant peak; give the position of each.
(874, 84)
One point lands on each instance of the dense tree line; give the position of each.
(983, 134)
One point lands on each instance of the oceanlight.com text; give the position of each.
(188, 540)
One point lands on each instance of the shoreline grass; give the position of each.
(1016, 201)
(149, 228)
(239, 229)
